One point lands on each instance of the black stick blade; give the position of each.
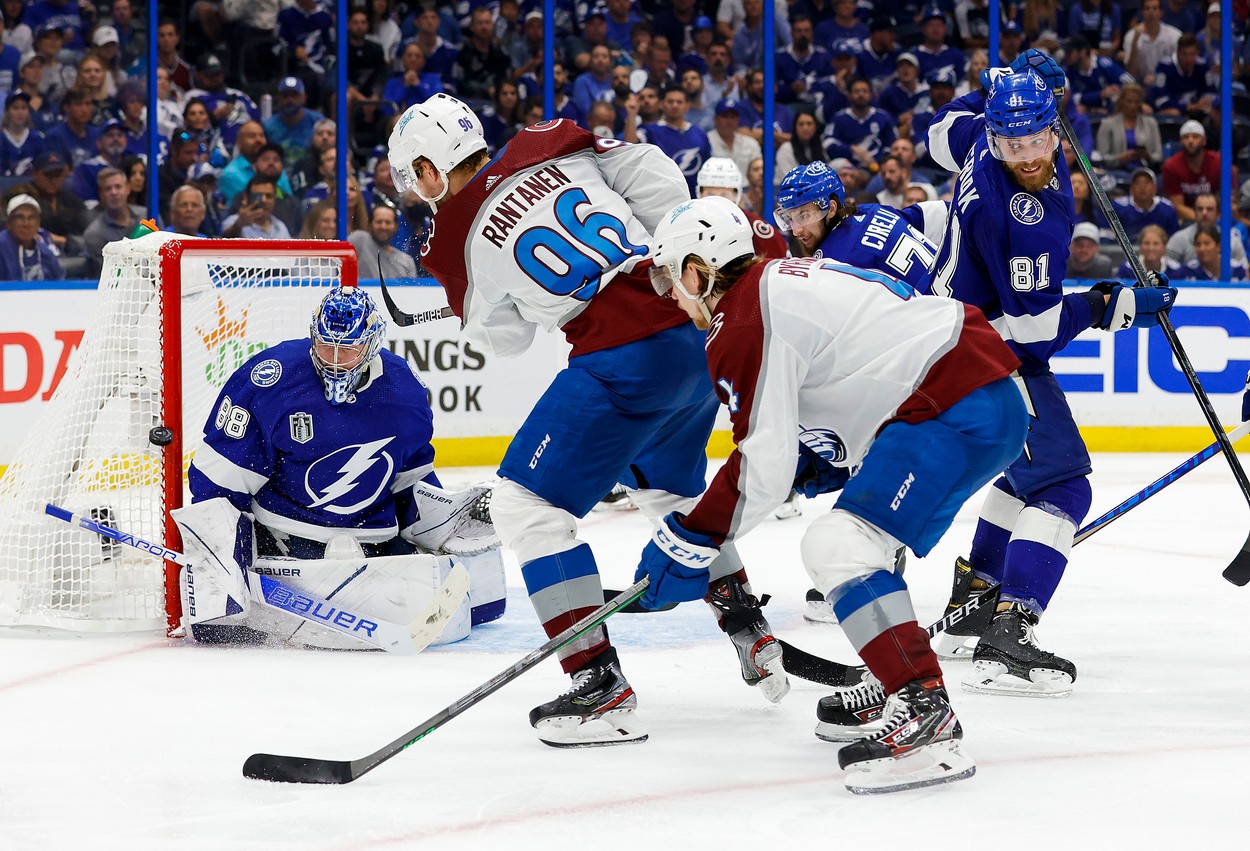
(814, 669)
(297, 769)
(1238, 572)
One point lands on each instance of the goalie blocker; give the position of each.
(396, 588)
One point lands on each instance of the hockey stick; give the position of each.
(300, 769)
(403, 319)
(1238, 570)
(273, 594)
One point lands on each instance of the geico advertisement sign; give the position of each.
(1131, 377)
(473, 394)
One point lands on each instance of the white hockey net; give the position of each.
(175, 317)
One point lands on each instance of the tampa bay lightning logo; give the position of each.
(825, 443)
(1026, 209)
(350, 478)
(266, 373)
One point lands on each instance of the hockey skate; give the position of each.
(958, 642)
(918, 744)
(851, 713)
(1008, 660)
(818, 609)
(759, 653)
(597, 710)
(617, 500)
(790, 508)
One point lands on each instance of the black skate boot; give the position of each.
(597, 710)
(617, 500)
(759, 653)
(917, 744)
(1008, 660)
(959, 641)
(851, 713)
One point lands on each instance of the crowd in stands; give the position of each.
(247, 130)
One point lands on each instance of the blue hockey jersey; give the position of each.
(275, 447)
(689, 148)
(878, 237)
(1006, 250)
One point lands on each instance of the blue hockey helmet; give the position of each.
(1020, 107)
(346, 334)
(814, 183)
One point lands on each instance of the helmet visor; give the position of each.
(803, 217)
(1023, 149)
(661, 279)
(402, 177)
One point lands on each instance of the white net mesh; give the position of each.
(90, 451)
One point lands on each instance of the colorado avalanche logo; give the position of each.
(825, 443)
(762, 229)
(1026, 209)
(266, 373)
(350, 478)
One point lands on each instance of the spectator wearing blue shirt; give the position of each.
(235, 176)
(751, 112)
(412, 84)
(1152, 245)
(676, 24)
(620, 20)
(440, 54)
(880, 55)
(1181, 82)
(1097, 21)
(906, 95)
(1094, 80)
(1144, 206)
(111, 144)
(1206, 265)
(936, 55)
(748, 42)
(291, 125)
(1185, 15)
(26, 251)
(845, 26)
(19, 142)
(681, 141)
(10, 64)
(596, 83)
(64, 15)
(800, 64)
(861, 132)
(229, 107)
(74, 139)
(307, 30)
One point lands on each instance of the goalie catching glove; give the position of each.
(451, 522)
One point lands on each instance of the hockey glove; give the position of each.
(1046, 67)
(1133, 307)
(815, 475)
(677, 561)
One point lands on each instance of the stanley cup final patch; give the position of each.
(301, 427)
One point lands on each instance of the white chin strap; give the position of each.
(433, 202)
(698, 299)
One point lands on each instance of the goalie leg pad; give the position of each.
(218, 540)
(488, 588)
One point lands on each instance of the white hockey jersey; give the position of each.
(548, 234)
(815, 345)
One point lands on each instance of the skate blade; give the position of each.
(788, 510)
(838, 733)
(932, 765)
(992, 678)
(956, 648)
(615, 727)
(819, 612)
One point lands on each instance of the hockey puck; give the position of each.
(161, 436)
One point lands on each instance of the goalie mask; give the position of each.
(346, 335)
(442, 130)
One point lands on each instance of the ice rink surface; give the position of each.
(137, 743)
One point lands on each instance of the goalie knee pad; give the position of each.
(839, 547)
(217, 539)
(529, 525)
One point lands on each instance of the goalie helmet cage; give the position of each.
(174, 318)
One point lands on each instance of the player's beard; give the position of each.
(1044, 171)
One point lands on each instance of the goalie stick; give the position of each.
(269, 592)
(1238, 570)
(301, 769)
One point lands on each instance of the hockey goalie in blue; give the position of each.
(316, 466)
(1005, 251)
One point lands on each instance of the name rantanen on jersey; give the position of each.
(508, 211)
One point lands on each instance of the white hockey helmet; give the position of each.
(443, 130)
(713, 229)
(720, 173)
